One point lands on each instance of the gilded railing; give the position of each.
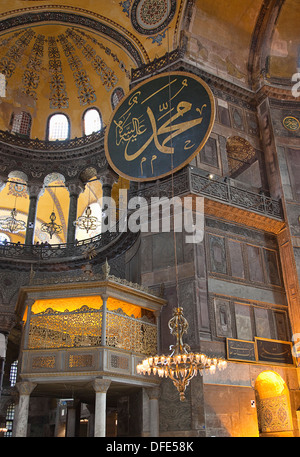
(83, 328)
(134, 335)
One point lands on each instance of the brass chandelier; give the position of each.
(11, 223)
(87, 222)
(181, 365)
(51, 227)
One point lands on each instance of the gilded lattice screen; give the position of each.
(83, 328)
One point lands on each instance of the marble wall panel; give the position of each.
(262, 325)
(255, 264)
(217, 254)
(243, 322)
(236, 259)
(293, 158)
(223, 317)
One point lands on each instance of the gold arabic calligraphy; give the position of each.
(129, 128)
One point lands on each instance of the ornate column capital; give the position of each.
(29, 302)
(34, 190)
(109, 178)
(75, 187)
(25, 388)
(153, 393)
(101, 385)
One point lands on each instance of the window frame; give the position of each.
(28, 120)
(119, 88)
(48, 126)
(83, 120)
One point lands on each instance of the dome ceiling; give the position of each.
(70, 56)
(65, 58)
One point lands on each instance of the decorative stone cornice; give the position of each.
(178, 60)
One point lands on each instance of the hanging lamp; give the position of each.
(52, 228)
(87, 221)
(181, 365)
(11, 223)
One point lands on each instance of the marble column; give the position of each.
(107, 182)
(24, 389)
(153, 394)
(75, 190)
(101, 387)
(34, 192)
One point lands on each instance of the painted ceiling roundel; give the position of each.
(152, 16)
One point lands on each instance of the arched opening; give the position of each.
(116, 96)
(58, 128)
(14, 198)
(20, 124)
(91, 198)
(91, 121)
(54, 198)
(273, 405)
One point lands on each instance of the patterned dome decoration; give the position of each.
(152, 16)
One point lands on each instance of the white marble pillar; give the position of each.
(153, 394)
(24, 389)
(101, 387)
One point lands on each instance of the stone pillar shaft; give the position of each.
(74, 190)
(153, 394)
(72, 218)
(33, 201)
(25, 389)
(101, 387)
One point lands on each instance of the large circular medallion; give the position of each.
(160, 126)
(152, 16)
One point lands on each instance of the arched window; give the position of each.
(58, 128)
(21, 123)
(91, 121)
(116, 96)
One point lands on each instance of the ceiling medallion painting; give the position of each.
(152, 16)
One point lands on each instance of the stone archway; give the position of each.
(273, 405)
